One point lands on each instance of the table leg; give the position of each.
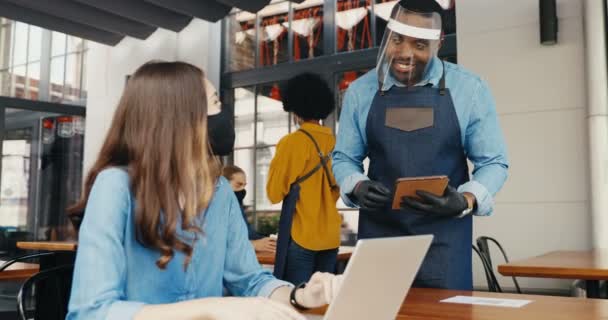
(593, 289)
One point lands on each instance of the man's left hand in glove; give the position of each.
(451, 204)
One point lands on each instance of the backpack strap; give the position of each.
(324, 160)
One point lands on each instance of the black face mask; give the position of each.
(240, 195)
(221, 133)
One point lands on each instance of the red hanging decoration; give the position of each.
(275, 93)
(347, 79)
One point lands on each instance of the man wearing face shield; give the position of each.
(414, 116)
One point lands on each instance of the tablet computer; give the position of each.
(408, 186)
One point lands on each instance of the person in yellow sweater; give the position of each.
(300, 175)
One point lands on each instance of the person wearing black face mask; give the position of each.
(238, 180)
(219, 123)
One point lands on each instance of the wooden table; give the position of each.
(18, 271)
(591, 266)
(48, 245)
(344, 254)
(423, 304)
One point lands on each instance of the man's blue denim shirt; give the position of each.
(480, 132)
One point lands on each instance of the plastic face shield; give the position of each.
(410, 43)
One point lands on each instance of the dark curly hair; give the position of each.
(308, 96)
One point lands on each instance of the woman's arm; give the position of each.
(98, 286)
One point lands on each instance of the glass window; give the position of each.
(83, 84)
(33, 80)
(244, 109)
(241, 41)
(14, 183)
(56, 81)
(18, 81)
(75, 44)
(263, 158)
(353, 30)
(272, 121)
(274, 24)
(34, 197)
(5, 83)
(34, 44)
(307, 26)
(20, 49)
(6, 36)
(58, 43)
(73, 76)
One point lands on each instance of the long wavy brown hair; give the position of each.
(159, 133)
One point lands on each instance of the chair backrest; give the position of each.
(45, 295)
(484, 250)
(493, 285)
(24, 258)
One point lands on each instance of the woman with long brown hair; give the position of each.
(162, 233)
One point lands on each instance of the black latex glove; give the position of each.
(372, 195)
(451, 204)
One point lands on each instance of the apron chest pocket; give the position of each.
(409, 119)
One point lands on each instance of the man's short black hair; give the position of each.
(422, 6)
(308, 96)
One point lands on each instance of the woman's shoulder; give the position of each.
(222, 185)
(116, 176)
(223, 190)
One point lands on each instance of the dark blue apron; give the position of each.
(289, 208)
(420, 137)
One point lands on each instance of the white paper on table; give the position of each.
(495, 302)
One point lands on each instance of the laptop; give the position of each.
(377, 278)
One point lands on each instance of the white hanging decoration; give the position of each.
(273, 31)
(347, 19)
(303, 27)
(240, 36)
(383, 10)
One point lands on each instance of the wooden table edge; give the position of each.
(50, 246)
(554, 273)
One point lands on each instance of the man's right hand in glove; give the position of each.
(371, 195)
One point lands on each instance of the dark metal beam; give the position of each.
(247, 5)
(42, 20)
(143, 12)
(205, 9)
(362, 59)
(336, 63)
(41, 106)
(83, 14)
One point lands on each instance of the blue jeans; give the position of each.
(302, 263)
